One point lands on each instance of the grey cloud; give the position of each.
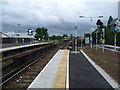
(57, 16)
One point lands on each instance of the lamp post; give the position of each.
(17, 34)
(103, 41)
(81, 37)
(91, 40)
(81, 41)
(117, 29)
(96, 39)
(91, 19)
(115, 42)
(75, 39)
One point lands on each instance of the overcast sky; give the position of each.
(59, 16)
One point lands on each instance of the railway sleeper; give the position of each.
(35, 70)
(31, 72)
(24, 59)
(28, 77)
(25, 80)
(22, 85)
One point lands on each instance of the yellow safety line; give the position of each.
(60, 79)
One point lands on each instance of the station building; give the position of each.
(5, 39)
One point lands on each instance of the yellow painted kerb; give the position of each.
(61, 77)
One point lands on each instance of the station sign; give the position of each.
(30, 32)
(87, 40)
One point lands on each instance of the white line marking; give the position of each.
(67, 79)
(111, 81)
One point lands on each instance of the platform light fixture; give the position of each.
(91, 19)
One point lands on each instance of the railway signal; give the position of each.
(81, 38)
(102, 34)
(91, 19)
(103, 40)
(75, 27)
(96, 39)
(75, 39)
(30, 33)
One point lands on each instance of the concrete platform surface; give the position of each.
(54, 73)
(16, 44)
(69, 70)
(20, 46)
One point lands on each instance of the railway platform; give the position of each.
(16, 44)
(55, 73)
(84, 75)
(19, 46)
(69, 70)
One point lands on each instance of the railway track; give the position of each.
(26, 75)
(14, 64)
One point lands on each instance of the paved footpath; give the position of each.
(84, 75)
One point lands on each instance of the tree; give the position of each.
(53, 37)
(56, 37)
(109, 36)
(41, 33)
(87, 34)
(65, 35)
